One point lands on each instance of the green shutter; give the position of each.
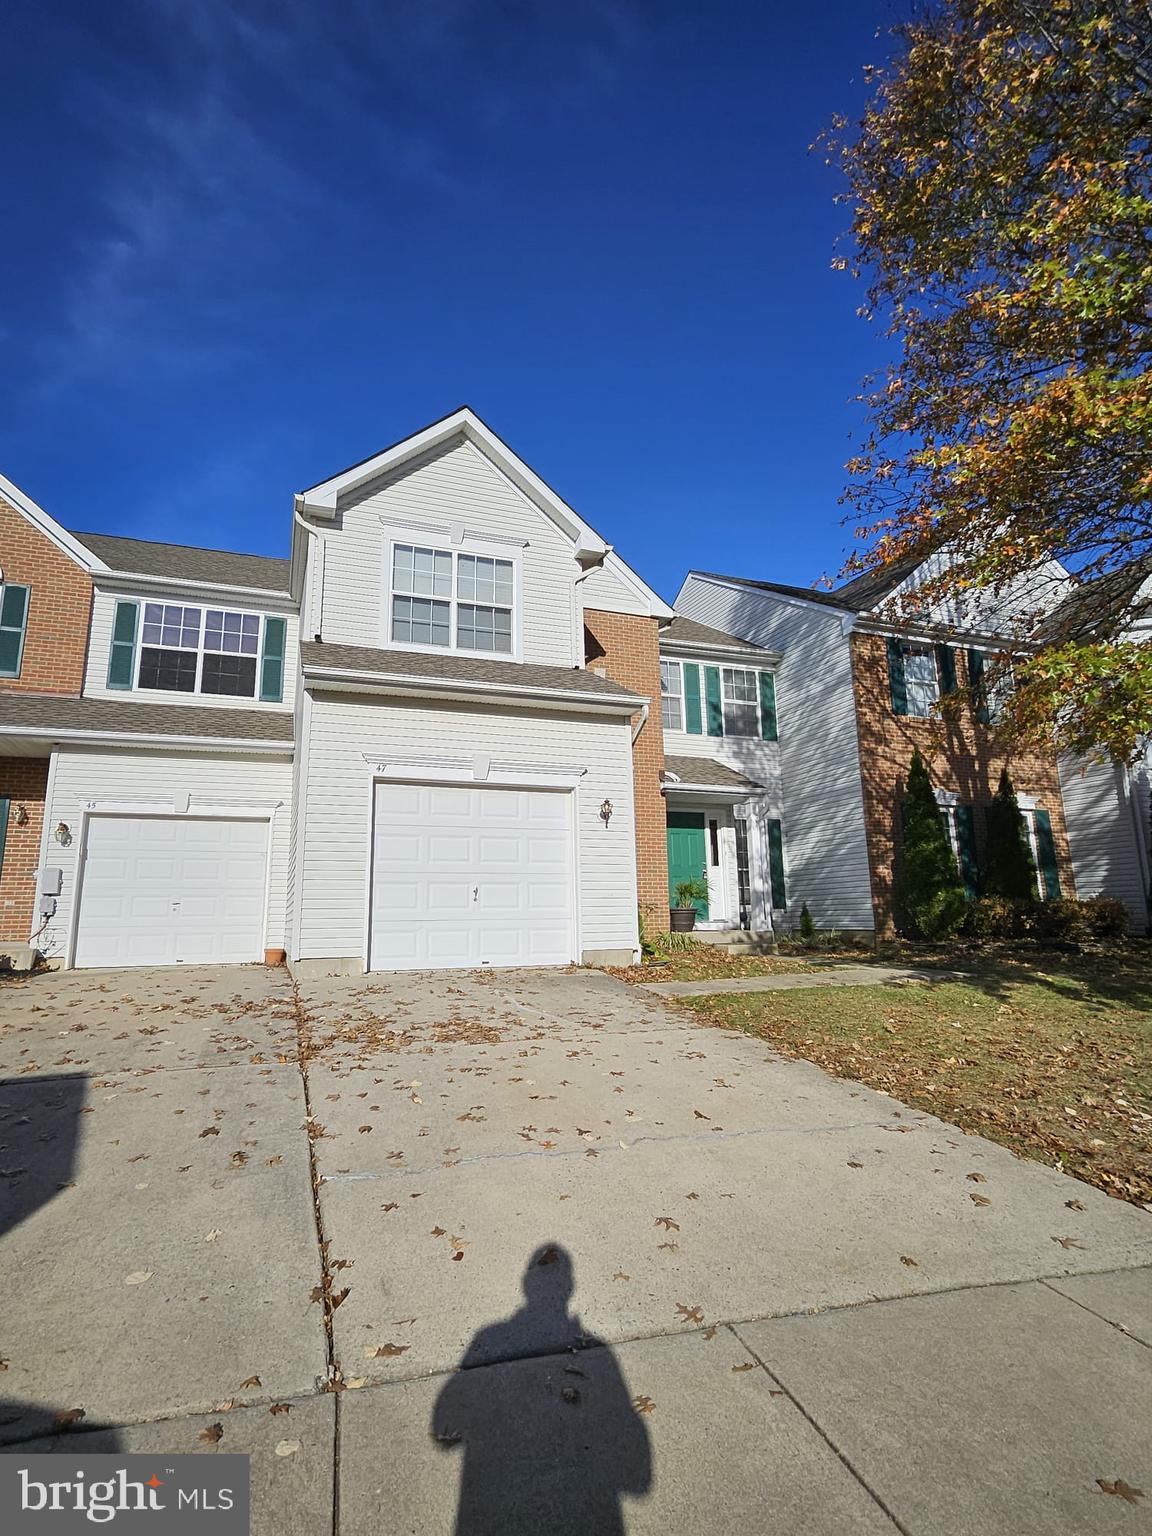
(13, 620)
(122, 656)
(712, 698)
(693, 721)
(272, 663)
(976, 679)
(5, 805)
(896, 683)
(776, 865)
(767, 706)
(946, 668)
(966, 838)
(1046, 846)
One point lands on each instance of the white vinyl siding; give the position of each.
(82, 775)
(818, 752)
(104, 602)
(420, 503)
(605, 592)
(1106, 822)
(332, 892)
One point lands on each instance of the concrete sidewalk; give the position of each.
(787, 981)
(693, 1286)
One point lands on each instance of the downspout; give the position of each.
(641, 723)
(1134, 795)
(318, 585)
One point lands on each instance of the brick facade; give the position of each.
(626, 648)
(23, 781)
(961, 755)
(59, 607)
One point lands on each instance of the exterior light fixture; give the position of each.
(20, 816)
(63, 834)
(606, 812)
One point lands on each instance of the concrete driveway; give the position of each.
(702, 1288)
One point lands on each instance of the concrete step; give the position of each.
(738, 940)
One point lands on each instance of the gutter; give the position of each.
(129, 739)
(406, 684)
(267, 595)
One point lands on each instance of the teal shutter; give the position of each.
(946, 668)
(272, 662)
(13, 621)
(768, 706)
(1046, 846)
(5, 805)
(712, 698)
(693, 722)
(897, 685)
(122, 655)
(976, 679)
(966, 838)
(776, 865)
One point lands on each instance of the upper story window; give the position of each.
(921, 679)
(183, 648)
(13, 623)
(452, 600)
(741, 702)
(671, 696)
(717, 701)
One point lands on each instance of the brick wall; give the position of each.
(962, 756)
(59, 606)
(626, 648)
(23, 780)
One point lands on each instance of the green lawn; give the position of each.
(1054, 1061)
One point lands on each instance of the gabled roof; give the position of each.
(185, 562)
(321, 500)
(860, 595)
(692, 771)
(687, 632)
(49, 527)
(1093, 609)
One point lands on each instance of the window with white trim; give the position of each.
(740, 698)
(999, 682)
(452, 600)
(921, 680)
(671, 696)
(196, 650)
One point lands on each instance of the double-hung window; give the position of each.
(198, 650)
(921, 679)
(741, 698)
(13, 622)
(452, 600)
(671, 696)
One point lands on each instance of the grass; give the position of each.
(698, 961)
(1052, 1059)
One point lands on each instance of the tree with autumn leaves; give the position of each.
(1001, 189)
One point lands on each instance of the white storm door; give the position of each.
(172, 890)
(465, 876)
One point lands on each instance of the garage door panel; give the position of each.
(476, 876)
(172, 890)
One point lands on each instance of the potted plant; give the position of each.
(682, 917)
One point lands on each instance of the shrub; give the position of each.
(807, 926)
(1059, 922)
(929, 891)
(995, 917)
(1106, 917)
(1047, 922)
(1009, 869)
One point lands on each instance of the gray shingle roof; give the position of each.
(706, 770)
(691, 633)
(856, 596)
(131, 717)
(142, 557)
(1103, 607)
(456, 668)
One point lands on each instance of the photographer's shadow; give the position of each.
(550, 1443)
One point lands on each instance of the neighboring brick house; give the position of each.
(45, 608)
(863, 680)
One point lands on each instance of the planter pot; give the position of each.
(681, 919)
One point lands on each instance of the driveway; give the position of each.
(697, 1287)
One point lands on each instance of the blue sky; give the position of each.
(248, 242)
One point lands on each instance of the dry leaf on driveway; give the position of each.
(138, 1276)
(253, 1381)
(280, 1408)
(643, 1404)
(386, 1351)
(979, 1199)
(689, 1314)
(211, 1433)
(1067, 1242)
(906, 1258)
(1119, 1489)
(287, 1447)
(748, 1365)
(67, 1417)
(667, 1223)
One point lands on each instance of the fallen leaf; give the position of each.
(909, 1261)
(748, 1365)
(549, 1256)
(138, 1276)
(852, 1164)
(339, 1297)
(979, 1199)
(1119, 1489)
(438, 1231)
(67, 1417)
(643, 1404)
(700, 1115)
(976, 1178)
(211, 1433)
(570, 1394)
(1074, 1205)
(210, 1237)
(1067, 1242)
(253, 1381)
(212, 1130)
(667, 1223)
(458, 1254)
(287, 1447)
(365, 1130)
(386, 1351)
(280, 1408)
(710, 1332)
(689, 1314)
(620, 1275)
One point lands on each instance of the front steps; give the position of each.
(738, 941)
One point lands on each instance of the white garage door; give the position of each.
(467, 876)
(172, 890)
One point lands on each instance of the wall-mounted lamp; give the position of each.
(20, 816)
(606, 812)
(63, 834)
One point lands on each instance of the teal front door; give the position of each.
(686, 856)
